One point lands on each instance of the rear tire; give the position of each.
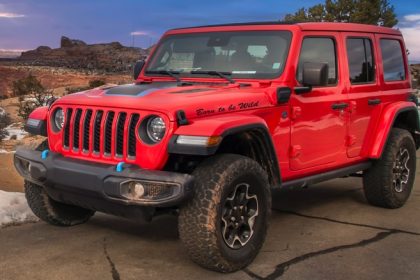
(224, 226)
(388, 183)
(49, 210)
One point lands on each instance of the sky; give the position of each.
(27, 24)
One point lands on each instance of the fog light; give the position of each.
(135, 190)
(148, 191)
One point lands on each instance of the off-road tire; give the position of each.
(378, 180)
(200, 220)
(51, 211)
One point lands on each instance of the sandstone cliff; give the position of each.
(76, 54)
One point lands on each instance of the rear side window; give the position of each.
(360, 60)
(321, 50)
(392, 59)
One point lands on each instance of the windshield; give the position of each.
(260, 54)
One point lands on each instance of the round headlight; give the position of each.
(59, 119)
(155, 129)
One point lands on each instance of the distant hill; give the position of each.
(76, 54)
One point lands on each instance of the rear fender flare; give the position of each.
(387, 121)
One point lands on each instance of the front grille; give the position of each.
(86, 131)
(132, 135)
(97, 131)
(66, 141)
(120, 134)
(108, 134)
(76, 131)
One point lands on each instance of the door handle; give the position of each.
(339, 106)
(373, 102)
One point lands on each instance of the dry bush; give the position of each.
(92, 84)
(32, 94)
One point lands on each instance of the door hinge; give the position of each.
(295, 151)
(296, 112)
(350, 140)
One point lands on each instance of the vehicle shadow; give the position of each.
(165, 227)
(347, 190)
(161, 228)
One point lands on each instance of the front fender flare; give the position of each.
(225, 126)
(213, 126)
(37, 121)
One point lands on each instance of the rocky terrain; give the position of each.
(415, 73)
(57, 78)
(76, 54)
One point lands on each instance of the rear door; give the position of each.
(318, 127)
(361, 76)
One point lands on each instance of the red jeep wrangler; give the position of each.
(218, 117)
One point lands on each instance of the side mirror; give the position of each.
(137, 68)
(315, 74)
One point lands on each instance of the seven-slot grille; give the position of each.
(105, 133)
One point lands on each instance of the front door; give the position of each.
(319, 118)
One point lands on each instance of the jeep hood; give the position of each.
(166, 97)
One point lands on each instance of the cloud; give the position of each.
(10, 15)
(139, 33)
(413, 17)
(13, 50)
(412, 40)
(410, 28)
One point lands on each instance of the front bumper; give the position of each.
(100, 187)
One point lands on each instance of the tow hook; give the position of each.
(44, 154)
(120, 167)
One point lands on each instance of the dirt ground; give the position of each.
(325, 232)
(9, 178)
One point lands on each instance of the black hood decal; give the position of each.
(139, 89)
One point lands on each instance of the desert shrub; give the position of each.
(32, 94)
(92, 84)
(4, 122)
(70, 90)
(96, 83)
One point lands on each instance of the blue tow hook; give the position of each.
(120, 167)
(44, 154)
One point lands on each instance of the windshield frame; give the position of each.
(188, 75)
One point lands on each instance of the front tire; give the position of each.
(54, 212)
(388, 183)
(224, 226)
(49, 210)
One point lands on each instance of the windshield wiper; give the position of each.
(223, 75)
(173, 74)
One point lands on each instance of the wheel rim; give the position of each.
(401, 171)
(238, 217)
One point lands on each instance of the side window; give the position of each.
(392, 59)
(319, 49)
(360, 60)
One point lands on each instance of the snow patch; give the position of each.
(14, 209)
(2, 112)
(15, 131)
